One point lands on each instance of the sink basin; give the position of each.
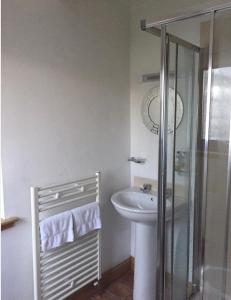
(142, 209)
(137, 206)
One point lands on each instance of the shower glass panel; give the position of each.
(183, 172)
(180, 167)
(217, 264)
(194, 188)
(186, 62)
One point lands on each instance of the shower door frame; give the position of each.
(162, 180)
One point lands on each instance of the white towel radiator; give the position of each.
(61, 271)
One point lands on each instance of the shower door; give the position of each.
(194, 251)
(180, 139)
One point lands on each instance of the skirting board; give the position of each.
(108, 277)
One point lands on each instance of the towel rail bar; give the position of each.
(69, 188)
(66, 202)
(69, 282)
(80, 241)
(63, 254)
(69, 183)
(60, 197)
(73, 276)
(61, 271)
(69, 260)
(67, 291)
(92, 259)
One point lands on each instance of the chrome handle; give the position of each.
(137, 160)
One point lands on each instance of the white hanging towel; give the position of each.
(86, 218)
(56, 230)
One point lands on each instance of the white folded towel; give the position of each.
(86, 218)
(56, 230)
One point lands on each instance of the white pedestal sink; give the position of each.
(141, 208)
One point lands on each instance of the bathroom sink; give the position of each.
(137, 206)
(142, 209)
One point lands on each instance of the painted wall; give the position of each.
(65, 109)
(65, 79)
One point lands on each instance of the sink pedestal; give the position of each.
(145, 261)
(142, 209)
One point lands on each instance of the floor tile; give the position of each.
(121, 289)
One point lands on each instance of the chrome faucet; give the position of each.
(147, 187)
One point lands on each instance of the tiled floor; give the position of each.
(121, 289)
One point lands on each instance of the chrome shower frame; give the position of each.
(158, 28)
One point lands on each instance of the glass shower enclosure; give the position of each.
(194, 184)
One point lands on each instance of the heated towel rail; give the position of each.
(61, 271)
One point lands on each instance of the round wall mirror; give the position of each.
(150, 110)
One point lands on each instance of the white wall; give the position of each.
(65, 94)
